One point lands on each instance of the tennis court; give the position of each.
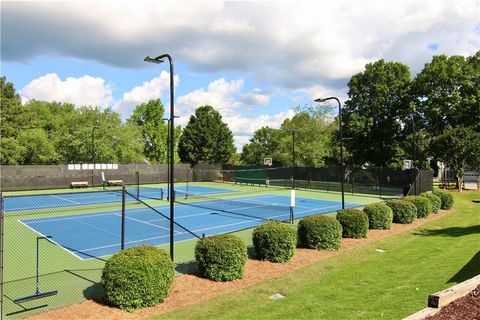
(70, 199)
(97, 234)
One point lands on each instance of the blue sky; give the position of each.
(253, 61)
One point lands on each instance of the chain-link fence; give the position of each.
(55, 245)
(356, 181)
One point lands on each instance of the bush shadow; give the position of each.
(449, 232)
(468, 271)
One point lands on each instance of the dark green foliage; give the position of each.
(380, 216)
(458, 148)
(379, 101)
(137, 277)
(446, 198)
(403, 211)
(221, 257)
(424, 205)
(206, 138)
(434, 199)
(275, 242)
(354, 223)
(320, 232)
(40, 132)
(149, 119)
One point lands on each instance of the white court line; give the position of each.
(144, 222)
(64, 199)
(42, 235)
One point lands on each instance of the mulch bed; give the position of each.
(464, 308)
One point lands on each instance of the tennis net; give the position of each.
(266, 207)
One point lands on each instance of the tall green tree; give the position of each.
(263, 144)
(206, 138)
(149, 118)
(378, 104)
(312, 135)
(447, 93)
(458, 148)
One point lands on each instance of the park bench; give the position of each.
(79, 184)
(115, 182)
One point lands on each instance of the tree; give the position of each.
(149, 118)
(312, 136)
(39, 149)
(11, 152)
(458, 148)
(447, 93)
(263, 144)
(378, 105)
(10, 107)
(206, 138)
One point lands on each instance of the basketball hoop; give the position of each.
(268, 162)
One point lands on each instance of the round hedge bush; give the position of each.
(275, 242)
(424, 205)
(354, 223)
(435, 200)
(446, 198)
(221, 257)
(137, 277)
(403, 211)
(380, 216)
(320, 232)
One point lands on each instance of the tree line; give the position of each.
(388, 117)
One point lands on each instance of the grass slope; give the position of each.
(363, 283)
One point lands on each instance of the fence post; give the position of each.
(138, 184)
(1, 255)
(122, 244)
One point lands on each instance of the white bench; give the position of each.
(79, 184)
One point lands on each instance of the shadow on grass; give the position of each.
(449, 232)
(469, 270)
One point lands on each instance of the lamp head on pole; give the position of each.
(325, 99)
(158, 59)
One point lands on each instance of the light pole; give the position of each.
(414, 171)
(293, 158)
(341, 142)
(160, 59)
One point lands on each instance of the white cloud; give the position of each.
(220, 94)
(86, 90)
(149, 90)
(243, 127)
(255, 97)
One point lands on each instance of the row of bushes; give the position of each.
(142, 276)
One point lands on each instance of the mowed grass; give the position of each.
(363, 283)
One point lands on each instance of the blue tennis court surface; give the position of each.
(98, 234)
(59, 200)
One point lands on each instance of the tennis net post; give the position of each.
(124, 193)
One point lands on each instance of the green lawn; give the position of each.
(363, 283)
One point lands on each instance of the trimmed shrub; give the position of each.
(435, 200)
(424, 205)
(137, 277)
(354, 223)
(380, 216)
(403, 211)
(446, 198)
(275, 242)
(320, 232)
(221, 257)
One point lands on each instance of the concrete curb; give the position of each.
(438, 300)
